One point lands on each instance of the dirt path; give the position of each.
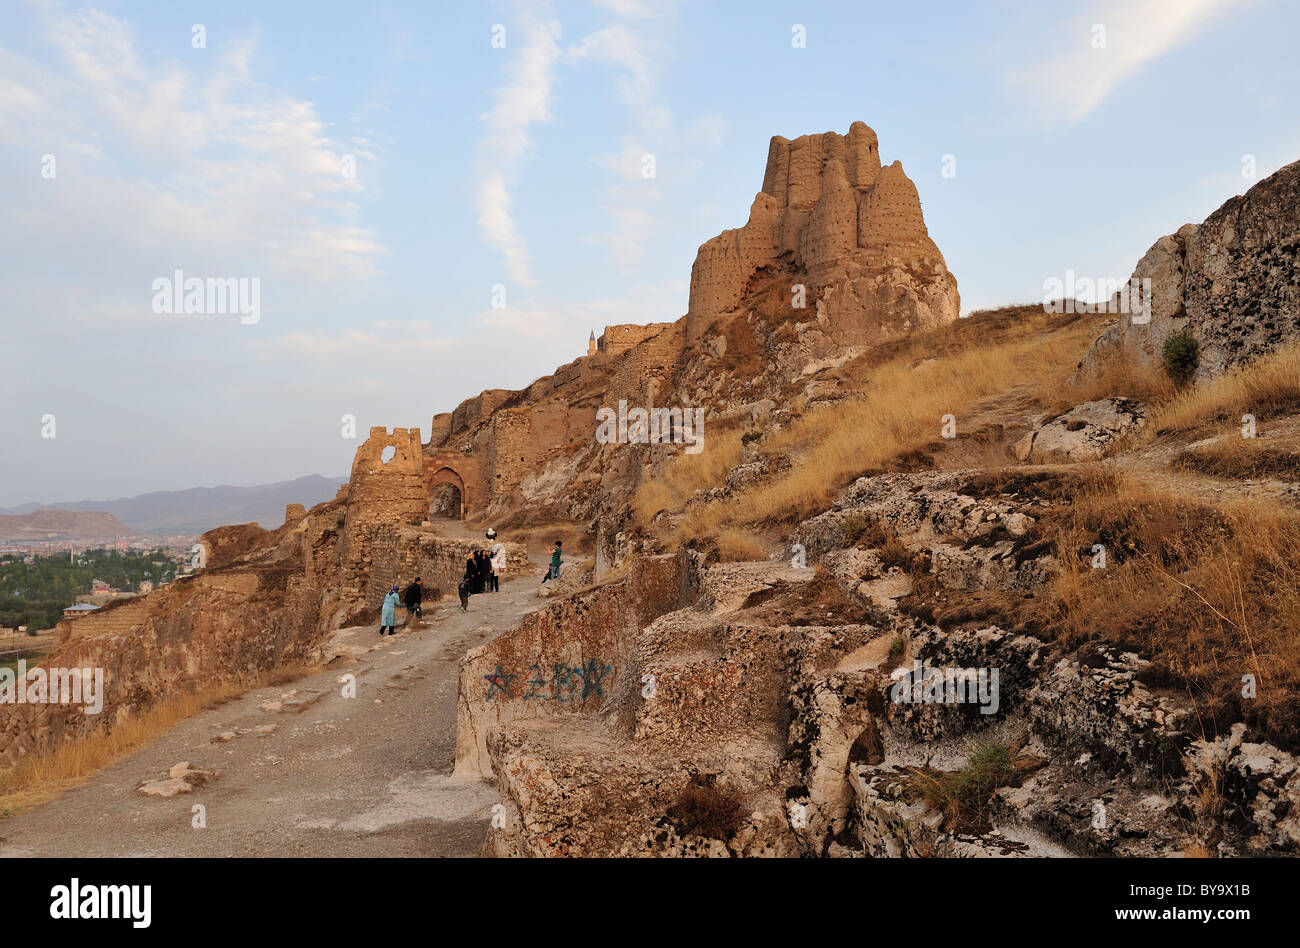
(334, 776)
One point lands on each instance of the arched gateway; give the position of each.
(446, 494)
(451, 486)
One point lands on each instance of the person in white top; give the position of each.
(498, 562)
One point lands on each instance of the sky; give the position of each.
(437, 198)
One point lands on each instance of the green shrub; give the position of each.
(1180, 356)
(964, 795)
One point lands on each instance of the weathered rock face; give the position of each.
(1231, 282)
(227, 544)
(223, 625)
(1083, 433)
(853, 231)
(764, 719)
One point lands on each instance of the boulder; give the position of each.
(1084, 433)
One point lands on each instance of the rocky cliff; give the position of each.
(1231, 282)
(853, 232)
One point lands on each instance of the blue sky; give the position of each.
(521, 166)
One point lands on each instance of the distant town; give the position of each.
(43, 582)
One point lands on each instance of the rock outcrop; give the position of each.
(1084, 433)
(1231, 282)
(766, 716)
(853, 231)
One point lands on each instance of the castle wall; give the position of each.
(645, 372)
(105, 621)
(384, 492)
(616, 340)
(474, 410)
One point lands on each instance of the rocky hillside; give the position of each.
(63, 525)
(924, 589)
(962, 601)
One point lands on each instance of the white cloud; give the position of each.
(523, 100)
(180, 161)
(637, 47)
(1076, 77)
(395, 345)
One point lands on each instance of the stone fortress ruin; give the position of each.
(846, 230)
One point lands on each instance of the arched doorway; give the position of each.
(446, 502)
(446, 495)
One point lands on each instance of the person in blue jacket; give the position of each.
(388, 616)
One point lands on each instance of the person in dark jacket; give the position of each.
(414, 598)
(471, 571)
(480, 582)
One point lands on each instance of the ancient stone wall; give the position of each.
(616, 340)
(562, 658)
(384, 492)
(440, 429)
(112, 620)
(644, 375)
(474, 410)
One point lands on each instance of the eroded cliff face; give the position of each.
(1231, 282)
(787, 711)
(257, 606)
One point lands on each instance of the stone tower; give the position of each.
(591, 344)
(853, 231)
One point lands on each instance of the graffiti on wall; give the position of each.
(564, 683)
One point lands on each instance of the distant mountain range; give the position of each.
(188, 511)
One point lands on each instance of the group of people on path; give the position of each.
(483, 569)
(412, 598)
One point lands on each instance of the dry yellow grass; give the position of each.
(688, 473)
(1211, 594)
(41, 776)
(738, 545)
(1121, 376)
(1267, 386)
(1238, 458)
(906, 399)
